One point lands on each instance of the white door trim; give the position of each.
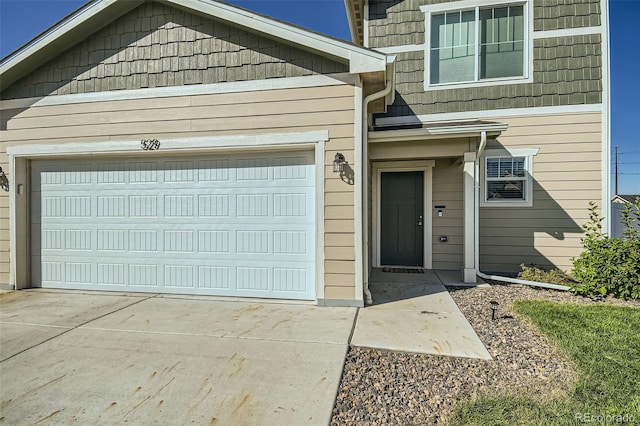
(425, 166)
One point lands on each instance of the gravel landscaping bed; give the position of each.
(383, 387)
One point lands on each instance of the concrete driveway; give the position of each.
(108, 358)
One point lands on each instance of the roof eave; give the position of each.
(444, 132)
(85, 20)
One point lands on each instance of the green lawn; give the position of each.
(603, 342)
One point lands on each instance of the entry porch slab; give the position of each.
(416, 315)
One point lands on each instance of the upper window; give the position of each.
(477, 43)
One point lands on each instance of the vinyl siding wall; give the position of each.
(275, 111)
(566, 176)
(448, 191)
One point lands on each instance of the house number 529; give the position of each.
(150, 144)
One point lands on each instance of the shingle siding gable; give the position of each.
(157, 46)
(560, 14)
(395, 23)
(566, 70)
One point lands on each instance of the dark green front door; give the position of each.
(402, 218)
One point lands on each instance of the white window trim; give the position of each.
(528, 153)
(428, 10)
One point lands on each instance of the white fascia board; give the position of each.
(54, 33)
(447, 132)
(361, 60)
(170, 145)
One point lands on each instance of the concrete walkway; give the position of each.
(414, 312)
(108, 358)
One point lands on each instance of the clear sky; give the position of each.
(21, 20)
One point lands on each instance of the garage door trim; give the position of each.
(19, 193)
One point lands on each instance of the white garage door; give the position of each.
(237, 225)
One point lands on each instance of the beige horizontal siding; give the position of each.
(276, 111)
(524, 139)
(179, 114)
(340, 280)
(339, 293)
(447, 191)
(338, 199)
(566, 176)
(237, 123)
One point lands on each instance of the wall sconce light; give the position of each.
(494, 308)
(4, 181)
(338, 163)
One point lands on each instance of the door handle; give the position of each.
(420, 220)
(420, 223)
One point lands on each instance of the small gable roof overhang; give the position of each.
(99, 13)
(437, 130)
(624, 199)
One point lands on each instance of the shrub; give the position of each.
(551, 276)
(608, 265)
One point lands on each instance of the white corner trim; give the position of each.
(191, 90)
(170, 145)
(319, 266)
(567, 32)
(13, 242)
(360, 181)
(606, 119)
(489, 114)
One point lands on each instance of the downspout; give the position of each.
(476, 196)
(523, 282)
(483, 144)
(365, 177)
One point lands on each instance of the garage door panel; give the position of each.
(238, 278)
(174, 242)
(242, 226)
